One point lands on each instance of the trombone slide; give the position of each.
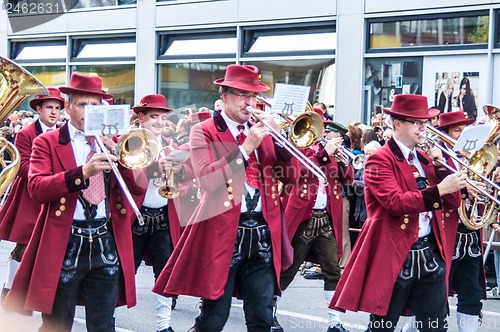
(121, 182)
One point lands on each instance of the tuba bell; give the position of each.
(16, 85)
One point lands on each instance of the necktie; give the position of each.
(421, 183)
(252, 170)
(95, 192)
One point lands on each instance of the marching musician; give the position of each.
(467, 278)
(19, 212)
(232, 245)
(73, 256)
(314, 215)
(155, 240)
(398, 262)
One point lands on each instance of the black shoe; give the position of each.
(174, 303)
(276, 326)
(167, 330)
(337, 328)
(4, 293)
(313, 275)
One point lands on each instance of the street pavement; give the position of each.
(302, 308)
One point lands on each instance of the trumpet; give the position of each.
(306, 125)
(169, 188)
(346, 156)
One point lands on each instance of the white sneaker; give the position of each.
(494, 292)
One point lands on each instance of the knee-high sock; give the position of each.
(163, 312)
(410, 325)
(333, 315)
(11, 272)
(467, 323)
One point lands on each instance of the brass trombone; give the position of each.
(306, 125)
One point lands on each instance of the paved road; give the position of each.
(302, 308)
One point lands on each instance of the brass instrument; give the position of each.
(476, 213)
(16, 85)
(346, 156)
(304, 131)
(137, 149)
(169, 189)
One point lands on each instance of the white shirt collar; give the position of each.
(233, 125)
(404, 149)
(73, 131)
(45, 127)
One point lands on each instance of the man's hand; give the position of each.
(333, 145)
(97, 163)
(169, 163)
(255, 136)
(452, 182)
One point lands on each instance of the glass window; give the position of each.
(204, 43)
(387, 77)
(119, 79)
(432, 31)
(191, 84)
(36, 50)
(298, 39)
(117, 48)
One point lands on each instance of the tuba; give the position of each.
(16, 85)
(476, 213)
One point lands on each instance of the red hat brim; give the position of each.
(415, 114)
(138, 109)
(465, 121)
(37, 101)
(259, 87)
(68, 90)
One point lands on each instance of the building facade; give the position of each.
(354, 55)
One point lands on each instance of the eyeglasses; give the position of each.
(245, 96)
(418, 123)
(82, 105)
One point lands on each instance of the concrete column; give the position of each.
(145, 73)
(349, 61)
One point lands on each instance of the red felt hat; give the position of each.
(456, 118)
(319, 111)
(242, 77)
(54, 94)
(150, 102)
(411, 106)
(198, 117)
(85, 85)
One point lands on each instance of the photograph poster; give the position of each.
(457, 91)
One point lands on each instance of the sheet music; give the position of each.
(473, 138)
(107, 120)
(289, 98)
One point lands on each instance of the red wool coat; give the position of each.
(393, 204)
(200, 263)
(19, 212)
(302, 197)
(55, 182)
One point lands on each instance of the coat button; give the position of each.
(273, 179)
(155, 174)
(273, 196)
(239, 161)
(78, 182)
(226, 203)
(325, 158)
(58, 213)
(302, 195)
(435, 205)
(123, 211)
(406, 220)
(403, 226)
(62, 200)
(194, 180)
(230, 196)
(276, 203)
(118, 206)
(62, 208)
(230, 189)
(118, 198)
(447, 214)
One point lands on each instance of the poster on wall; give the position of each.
(457, 91)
